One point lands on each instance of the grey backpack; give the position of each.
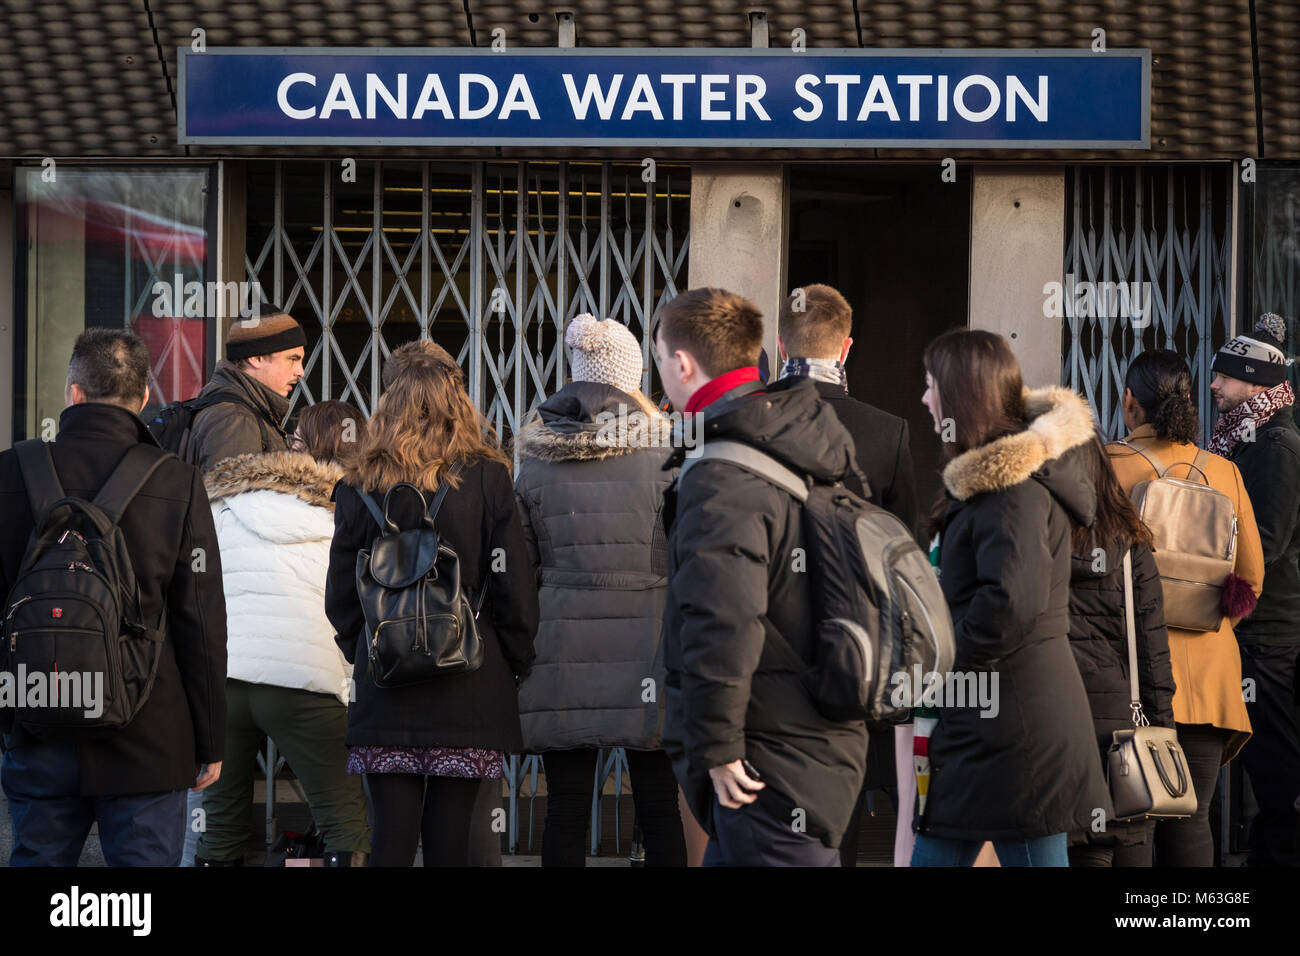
(878, 609)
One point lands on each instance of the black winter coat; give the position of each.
(1099, 640)
(590, 490)
(477, 709)
(1030, 770)
(732, 586)
(882, 447)
(177, 563)
(1270, 470)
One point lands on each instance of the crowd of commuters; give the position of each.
(626, 595)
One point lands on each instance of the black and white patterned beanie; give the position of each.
(1258, 357)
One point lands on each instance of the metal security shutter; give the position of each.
(491, 260)
(1171, 227)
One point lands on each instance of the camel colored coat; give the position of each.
(1207, 666)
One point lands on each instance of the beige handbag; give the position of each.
(1146, 768)
(1194, 530)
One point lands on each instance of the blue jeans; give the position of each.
(51, 821)
(1043, 851)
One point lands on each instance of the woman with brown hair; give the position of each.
(1099, 640)
(1019, 767)
(425, 748)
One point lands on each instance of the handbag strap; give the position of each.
(1135, 699)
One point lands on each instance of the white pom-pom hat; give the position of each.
(604, 351)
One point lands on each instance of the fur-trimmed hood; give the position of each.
(291, 473)
(589, 421)
(1059, 420)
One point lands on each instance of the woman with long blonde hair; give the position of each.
(425, 748)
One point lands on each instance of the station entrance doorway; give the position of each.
(895, 240)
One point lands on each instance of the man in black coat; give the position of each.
(131, 781)
(813, 339)
(769, 778)
(1257, 432)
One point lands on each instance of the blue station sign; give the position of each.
(1010, 99)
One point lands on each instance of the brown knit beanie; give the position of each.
(272, 331)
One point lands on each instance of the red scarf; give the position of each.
(711, 391)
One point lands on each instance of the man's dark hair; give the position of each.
(819, 328)
(110, 365)
(722, 330)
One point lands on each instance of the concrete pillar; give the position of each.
(1017, 245)
(739, 232)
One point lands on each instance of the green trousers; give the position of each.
(308, 729)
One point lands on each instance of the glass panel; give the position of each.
(115, 248)
(1275, 253)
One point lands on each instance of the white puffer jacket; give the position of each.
(274, 523)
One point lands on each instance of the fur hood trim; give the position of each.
(1060, 420)
(605, 438)
(292, 473)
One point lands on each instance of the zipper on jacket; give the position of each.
(1232, 539)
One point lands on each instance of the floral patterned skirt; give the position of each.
(472, 762)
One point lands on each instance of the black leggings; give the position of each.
(408, 807)
(570, 776)
(1189, 842)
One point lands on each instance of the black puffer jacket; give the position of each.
(590, 490)
(1098, 637)
(1029, 770)
(1270, 470)
(732, 585)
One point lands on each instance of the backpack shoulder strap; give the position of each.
(752, 460)
(443, 488)
(37, 466)
(1199, 462)
(132, 471)
(1152, 458)
(372, 506)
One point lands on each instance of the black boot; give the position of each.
(346, 858)
(201, 861)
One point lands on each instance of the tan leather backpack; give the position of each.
(1194, 529)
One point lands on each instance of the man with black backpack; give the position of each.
(110, 569)
(241, 410)
(770, 778)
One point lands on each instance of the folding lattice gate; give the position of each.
(1166, 226)
(491, 260)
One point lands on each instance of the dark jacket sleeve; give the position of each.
(223, 431)
(342, 605)
(1155, 671)
(720, 586)
(196, 624)
(900, 498)
(1274, 489)
(511, 574)
(525, 505)
(1013, 568)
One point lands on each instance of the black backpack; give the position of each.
(877, 606)
(174, 422)
(419, 624)
(73, 614)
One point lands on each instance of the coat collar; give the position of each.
(1059, 420)
(99, 421)
(291, 473)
